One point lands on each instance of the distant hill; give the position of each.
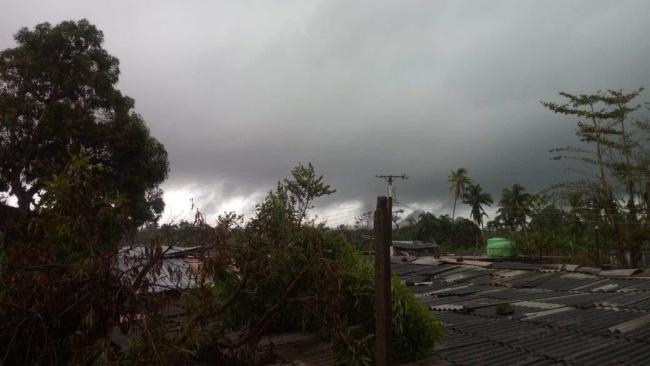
(413, 216)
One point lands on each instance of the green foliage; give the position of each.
(617, 152)
(59, 296)
(458, 181)
(58, 100)
(181, 234)
(304, 187)
(286, 276)
(456, 236)
(85, 171)
(157, 347)
(416, 330)
(565, 232)
(514, 207)
(476, 199)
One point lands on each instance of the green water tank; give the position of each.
(500, 247)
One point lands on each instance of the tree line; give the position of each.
(601, 213)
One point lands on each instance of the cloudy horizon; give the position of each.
(240, 92)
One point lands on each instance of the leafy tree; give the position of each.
(465, 234)
(84, 170)
(643, 169)
(457, 234)
(428, 228)
(594, 131)
(303, 188)
(63, 293)
(444, 229)
(625, 168)
(618, 153)
(550, 226)
(576, 217)
(293, 276)
(495, 227)
(181, 234)
(458, 181)
(396, 217)
(58, 100)
(364, 221)
(476, 199)
(514, 207)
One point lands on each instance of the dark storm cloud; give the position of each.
(239, 92)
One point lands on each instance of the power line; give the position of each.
(344, 215)
(342, 219)
(389, 179)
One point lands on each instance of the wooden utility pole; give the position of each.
(597, 247)
(647, 199)
(383, 303)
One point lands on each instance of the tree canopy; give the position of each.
(514, 206)
(458, 181)
(476, 199)
(58, 100)
(613, 140)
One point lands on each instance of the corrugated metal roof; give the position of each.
(626, 272)
(172, 272)
(301, 349)
(624, 300)
(516, 265)
(609, 285)
(557, 317)
(411, 245)
(566, 315)
(631, 325)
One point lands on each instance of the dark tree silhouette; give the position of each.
(58, 100)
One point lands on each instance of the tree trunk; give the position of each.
(631, 206)
(599, 156)
(453, 212)
(23, 197)
(607, 199)
(647, 203)
(479, 240)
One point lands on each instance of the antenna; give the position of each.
(389, 179)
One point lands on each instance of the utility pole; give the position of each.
(389, 179)
(383, 303)
(597, 247)
(647, 197)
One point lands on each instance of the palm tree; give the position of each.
(514, 207)
(476, 199)
(458, 181)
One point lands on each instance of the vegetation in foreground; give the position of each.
(86, 172)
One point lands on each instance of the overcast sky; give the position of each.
(241, 91)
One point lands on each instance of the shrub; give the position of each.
(415, 329)
(278, 272)
(292, 276)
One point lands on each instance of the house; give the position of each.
(169, 271)
(174, 270)
(415, 248)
